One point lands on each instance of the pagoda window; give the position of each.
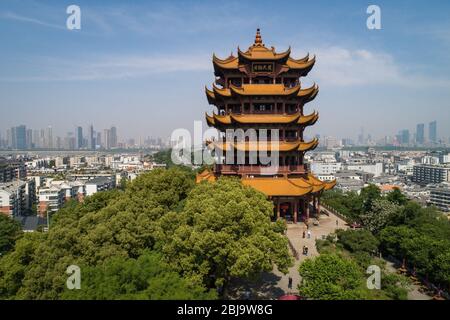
(237, 82)
(262, 80)
(246, 80)
(235, 108)
(279, 106)
(291, 108)
(220, 81)
(290, 82)
(262, 107)
(290, 135)
(278, 80)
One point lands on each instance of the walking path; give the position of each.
(275, 284)
(327, 225)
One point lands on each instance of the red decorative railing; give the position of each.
(255, 169)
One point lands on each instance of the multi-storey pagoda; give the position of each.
(261, 89)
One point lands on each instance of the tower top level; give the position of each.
(258, 39)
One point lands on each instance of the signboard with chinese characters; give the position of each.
(262, 67)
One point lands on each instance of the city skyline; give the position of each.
(19, 137)
(125, 68)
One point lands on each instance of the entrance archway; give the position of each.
(286, 211)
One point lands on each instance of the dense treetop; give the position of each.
(202, 235)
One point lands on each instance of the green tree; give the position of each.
(330, 277)
(224, 231)
(107, 224)
(409, 212)
(397, 197)
(10, 231)
(15, 264)
(358, 240)
(349, 204)
(368, 195)
(380, 215)
(144, 278)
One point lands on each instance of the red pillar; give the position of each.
(307, 209)
(278, 209)
(295, 210)
(318, 204)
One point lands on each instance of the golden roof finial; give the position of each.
(258, 39)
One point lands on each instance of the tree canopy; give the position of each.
(144, 278)
(10, 231)
(403, 228)
(201, 234)
(224, 231)
(330, 277)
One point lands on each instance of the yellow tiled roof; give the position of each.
(278, 186)
(262, 119)
(262, 90)
(232, 63)
(281, 146)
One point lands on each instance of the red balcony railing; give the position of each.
(256, 170)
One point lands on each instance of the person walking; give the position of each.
(304, 234)
(290, 283)
(309, 234)
(337, 222)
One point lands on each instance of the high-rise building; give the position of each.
(79, 137)
(361, 139)
(29, 139)
(36, 141)
(404, 137)
(49, 138)
(42, 138)
(98, 139)
(90, 138)
(107, 139)
(432, 132)
(420, 134)
(9, 138)
(19, 137)
(113, 137)
(259, 91)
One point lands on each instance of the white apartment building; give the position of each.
(431, 160)
(99, 184)
(376, 169)
(325, 168)
(50, 199)
(12, 198)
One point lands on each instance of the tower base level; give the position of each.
(294, 199)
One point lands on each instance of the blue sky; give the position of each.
(142, 65)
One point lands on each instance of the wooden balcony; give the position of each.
(259, 170)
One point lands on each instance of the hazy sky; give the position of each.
(143, 65)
